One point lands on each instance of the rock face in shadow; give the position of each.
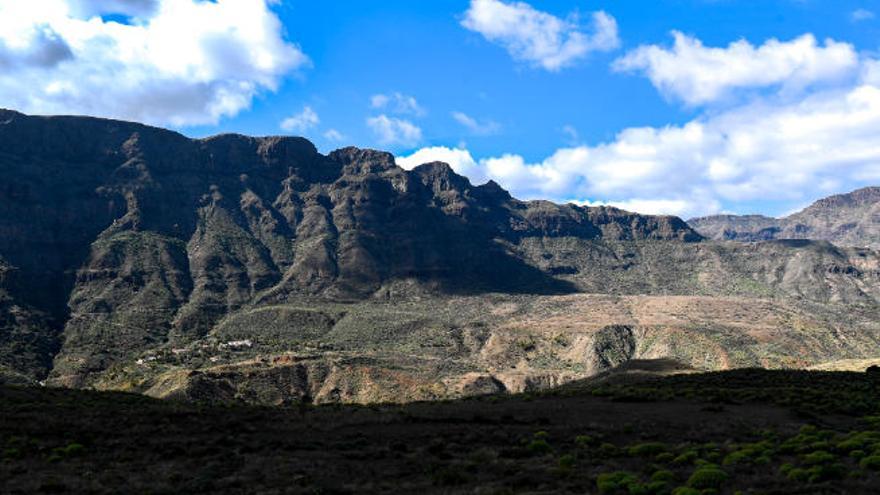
(851, 219)
(124, 236)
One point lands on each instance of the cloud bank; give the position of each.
(178, 62)
(784, 145)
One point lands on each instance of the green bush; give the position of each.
(826, 472)
(663, 475)
(686, 457)
(798, 474)
(657, 487)
(871, 462)
(566, 462)
(819, 457)
(647, 449)
(616, 482)
(584, 441)
(857, 454)
(686, 490)
(539, 447)
(707, 477)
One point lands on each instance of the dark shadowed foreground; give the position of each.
(746, 431)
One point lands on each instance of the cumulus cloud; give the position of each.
(397, 103)
(539, 38)
(179, 62)
(484, 128)
(394, 131)
(697, 74)
(773, 150)
(302, 121)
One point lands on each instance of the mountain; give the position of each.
(851, 219)
(258, 269)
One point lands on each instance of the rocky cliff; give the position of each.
(134, 257)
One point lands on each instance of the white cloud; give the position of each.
(485, 128)
(458, 158)
(775, 150)
(333, 135)
(302, 121)
(861, 15)
(538, 38)
(179, 62)
(397, 103)
(696, 74)
(394, 131)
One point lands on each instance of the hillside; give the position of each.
(257, 269)
(729, 432)
(851, 219)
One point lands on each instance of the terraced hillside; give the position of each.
(258, 269)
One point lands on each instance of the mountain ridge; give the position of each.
(849, 219)
(258, 269)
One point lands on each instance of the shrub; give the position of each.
(662, 475)
(818, 457)
(12, 453)
(539, 446)
(618, 481)
(707, 477)
(584, 440)
(826, 472)
(664, 457)
(657, 487)
(685, 490)
(685, 457)
(798, 474)
(647, 449)
(871, 462)
(566, 462)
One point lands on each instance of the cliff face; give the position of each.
(851, 219)
(134, 257)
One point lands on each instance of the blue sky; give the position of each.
(565, 108)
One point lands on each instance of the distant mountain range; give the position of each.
(851, 219)
(258, 269)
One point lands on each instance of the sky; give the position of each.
(684, 107)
